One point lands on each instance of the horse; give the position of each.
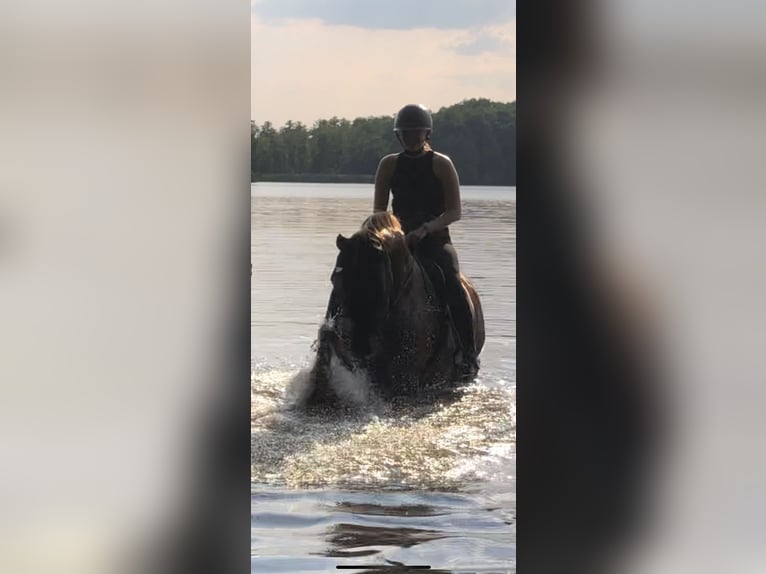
(387, 319)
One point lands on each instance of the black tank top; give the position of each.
(418, 196)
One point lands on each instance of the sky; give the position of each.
(314, 59)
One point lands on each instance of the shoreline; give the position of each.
(311, 178)
(340, 178)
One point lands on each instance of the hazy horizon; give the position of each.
(391, 115)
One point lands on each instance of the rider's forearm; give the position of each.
(380, 202)
(445, 219)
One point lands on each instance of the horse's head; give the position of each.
(367, 269)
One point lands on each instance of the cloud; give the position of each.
(304, 70)
(483, 83)
(498, 39)
(390, 15)
(480, 45)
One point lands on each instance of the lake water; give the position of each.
(419, 485)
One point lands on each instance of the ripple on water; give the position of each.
(455, 530)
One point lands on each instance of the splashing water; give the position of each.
(352, 387)
(390, 446)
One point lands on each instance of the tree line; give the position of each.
(478, 134)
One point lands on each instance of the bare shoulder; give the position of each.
(388, 161)
(442, 163)
(385, 171)
(386, 167)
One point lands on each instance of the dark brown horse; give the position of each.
(387, 319)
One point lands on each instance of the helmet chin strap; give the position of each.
(413, 153)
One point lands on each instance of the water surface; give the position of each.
(431, 484)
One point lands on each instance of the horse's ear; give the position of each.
(341, 241)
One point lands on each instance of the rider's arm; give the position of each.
(383, 182)
(445, 171)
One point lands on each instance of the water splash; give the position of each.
(353, 387)
(402, 446)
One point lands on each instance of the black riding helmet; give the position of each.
(413, 117)
(410, 118)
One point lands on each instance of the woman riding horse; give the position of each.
(426, 199)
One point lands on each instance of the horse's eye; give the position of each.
(338, 270)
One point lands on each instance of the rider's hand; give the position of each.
(413, 237)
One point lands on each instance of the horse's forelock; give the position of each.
(383, 229)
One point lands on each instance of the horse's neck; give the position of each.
(402, 264)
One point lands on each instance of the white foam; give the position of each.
(298, 387)
(351, 386)
(494, 464)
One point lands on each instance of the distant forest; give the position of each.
(478, 134)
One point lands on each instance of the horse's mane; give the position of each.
(383, 228)
(385, 232)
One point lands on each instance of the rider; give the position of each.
(426, 199)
